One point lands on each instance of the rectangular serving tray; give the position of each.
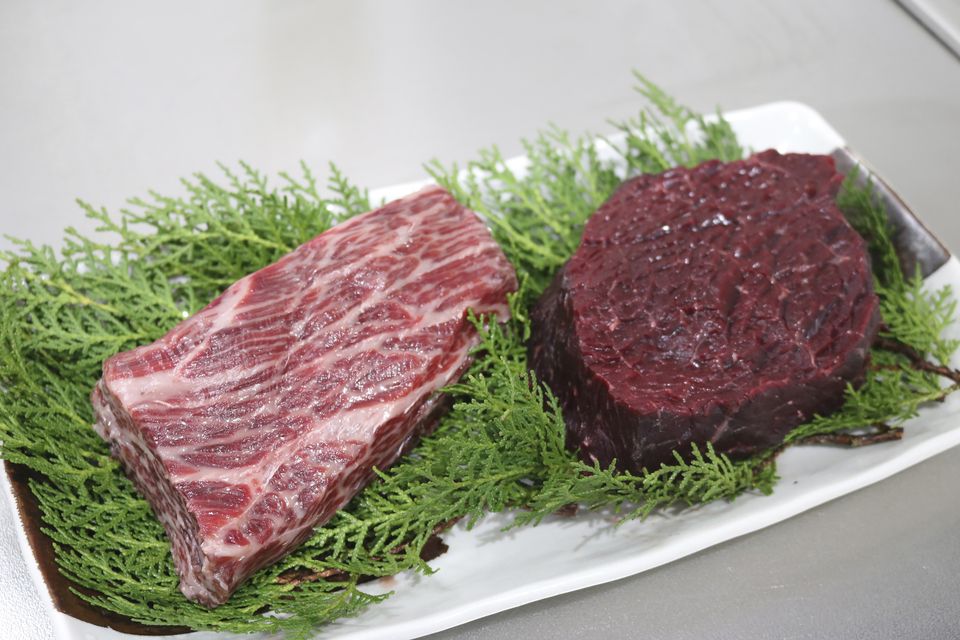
(487, 571)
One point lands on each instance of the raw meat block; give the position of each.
(253, 421)
(727, 303)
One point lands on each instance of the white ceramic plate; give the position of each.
(487, 571)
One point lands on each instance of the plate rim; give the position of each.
(786, 111)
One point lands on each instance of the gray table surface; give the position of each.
(103, 100)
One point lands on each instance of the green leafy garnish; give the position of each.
(501, 447)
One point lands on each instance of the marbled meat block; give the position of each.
(253, 421)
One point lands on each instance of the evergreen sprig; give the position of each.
(501, 447)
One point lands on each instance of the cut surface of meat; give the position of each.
(727, 303)
(253, 421)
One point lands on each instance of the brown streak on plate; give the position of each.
(65, 600)
(916, 246)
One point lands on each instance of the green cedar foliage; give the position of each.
(501, 447)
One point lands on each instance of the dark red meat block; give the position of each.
(253, 421)
(727, 303)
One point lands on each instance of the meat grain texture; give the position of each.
(253, 421)
(727, 303)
